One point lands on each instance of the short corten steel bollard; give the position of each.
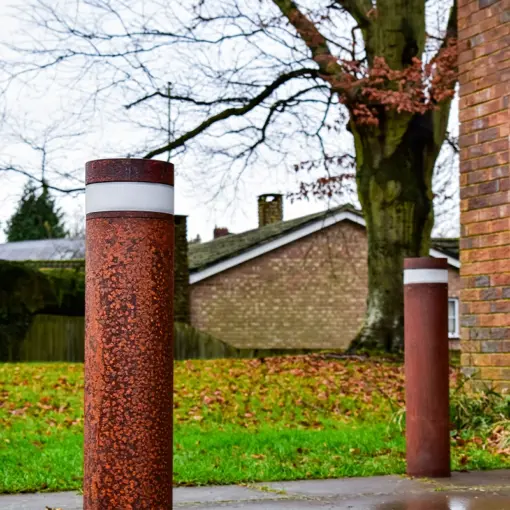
(129, 335)
(426, 367)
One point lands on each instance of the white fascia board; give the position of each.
(299, 233)
(439, 255)
(257, 251)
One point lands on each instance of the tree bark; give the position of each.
(395, 165)
(395, 158)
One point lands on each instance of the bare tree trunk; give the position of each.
(395, 190)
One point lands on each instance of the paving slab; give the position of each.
(464, 491)
(428, 501)
(350, 487)
(498, 477)
(221, 494)
(40, 501)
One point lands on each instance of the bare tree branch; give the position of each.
(196, 102)
(234, 112)
(20, 171)
(246, 87)
(314, 40)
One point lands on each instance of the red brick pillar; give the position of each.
(484, 66)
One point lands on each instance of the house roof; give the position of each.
(43, 249)
(447, 245)
(209, 258)
(214, 256)
(203, 255)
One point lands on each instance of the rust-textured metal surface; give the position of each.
(128, 364)
(426, 374)
(129, 348)
(126, 214)
(426, 263)
(129, 170)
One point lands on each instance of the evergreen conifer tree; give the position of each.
(36, 217)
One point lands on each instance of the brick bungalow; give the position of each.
(298, 284)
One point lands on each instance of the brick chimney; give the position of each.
(220, 232)
(270, 208)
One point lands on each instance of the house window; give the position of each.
(453, 317)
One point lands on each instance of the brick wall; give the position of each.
(484, 66)
(309, 294)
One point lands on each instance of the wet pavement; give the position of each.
(462, 501)
(488, 490)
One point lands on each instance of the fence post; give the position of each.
(129, 332)
(426, 367)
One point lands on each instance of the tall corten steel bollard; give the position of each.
(426, 367)
(129, 335)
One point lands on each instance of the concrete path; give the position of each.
(464, 491)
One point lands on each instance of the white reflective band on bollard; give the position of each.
(425, 276)
(129, 196)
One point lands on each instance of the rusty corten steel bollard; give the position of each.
(129, 335)
(426, 367)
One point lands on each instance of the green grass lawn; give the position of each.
(242, 421)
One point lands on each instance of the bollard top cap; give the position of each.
(426, 263)
(129, 170)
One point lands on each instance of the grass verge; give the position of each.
(242, 421)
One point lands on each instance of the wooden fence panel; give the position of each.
(62, 338)
(54, 338)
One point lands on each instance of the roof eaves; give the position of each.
(261, 248)
(315, 223)
(259, 237)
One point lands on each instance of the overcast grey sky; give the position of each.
(42, 102)
(34, 104)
